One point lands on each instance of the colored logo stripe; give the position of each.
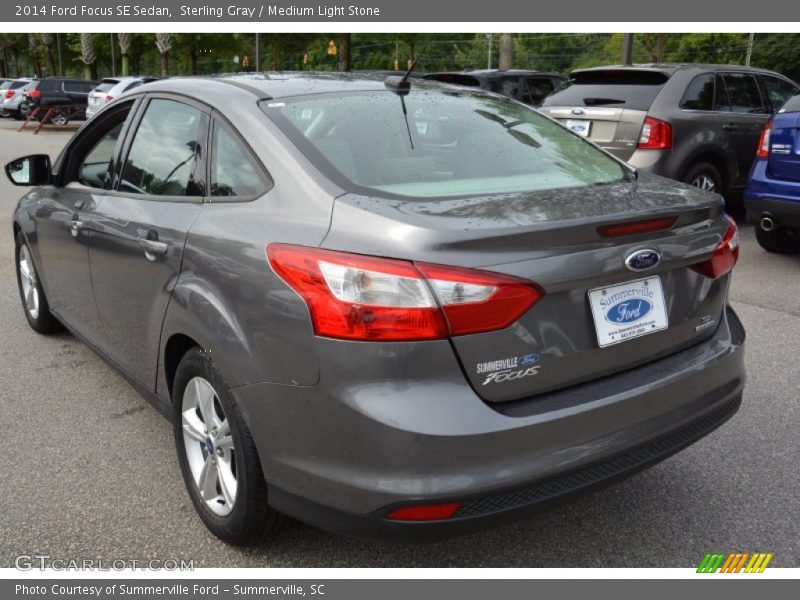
(734, 562)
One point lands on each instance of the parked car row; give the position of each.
(70, 97)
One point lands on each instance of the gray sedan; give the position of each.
(385, 309)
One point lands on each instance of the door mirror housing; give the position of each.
(30, 170)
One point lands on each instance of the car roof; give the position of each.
(672, 68)
(279, 85)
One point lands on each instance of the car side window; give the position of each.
(743, 93)
(778, 90)
(164, 155)
(234, 170)
(699, 94)
(535, 89)
(96, 166)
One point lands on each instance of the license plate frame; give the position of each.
(629, 310)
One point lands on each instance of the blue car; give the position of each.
(772, 197)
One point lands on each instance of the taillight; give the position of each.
(10, 94)
(425, 512)
(656, 135)
(109, 98)
(35, 94)
(725, 254)
(763, 141)
(357, 297)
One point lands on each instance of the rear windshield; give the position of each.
(792, 105)
(438, 144)
(105, 86)
(15, 85)
(623, 88)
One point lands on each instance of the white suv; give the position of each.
(110, 88)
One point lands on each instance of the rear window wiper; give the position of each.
(600, 101)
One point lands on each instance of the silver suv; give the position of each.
(698, 124)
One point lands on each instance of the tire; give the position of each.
(704, 176)
(24, 110)
(34, 301)
(59, 118)
(234, 506)
(777, 241)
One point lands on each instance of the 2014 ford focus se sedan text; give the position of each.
(386, 310)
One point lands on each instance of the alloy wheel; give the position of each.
(209, 446)
(704, 182)
(30, 292)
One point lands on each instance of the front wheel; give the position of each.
(217, 455)
(34, 302)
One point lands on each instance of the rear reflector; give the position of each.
(109, 98)
(425, 512)
(634, 227)
(725, 254)
(655, 135)
(357, 297)
(763, 142)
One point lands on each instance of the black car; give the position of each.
(67, 94)
(530, 87)
(696, 123)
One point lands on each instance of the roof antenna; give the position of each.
(401, 85)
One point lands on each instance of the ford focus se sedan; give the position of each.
(390, 310)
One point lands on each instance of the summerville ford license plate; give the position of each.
(628, 310)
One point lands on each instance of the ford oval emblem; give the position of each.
(578, 111)
(628, 311)
(642, 260)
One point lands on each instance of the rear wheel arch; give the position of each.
(714, 159)
(175, 349)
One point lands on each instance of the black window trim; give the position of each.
(203, 143)
(714, 75)
(217, 117)
(765, 104)
(718, 74)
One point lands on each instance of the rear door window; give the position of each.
(743, 93)
(163, 157)
(778, 90)
(699, 94)
(622, 88)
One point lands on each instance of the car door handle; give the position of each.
(152, 247)
(731, 127)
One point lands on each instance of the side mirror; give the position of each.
(29, 170)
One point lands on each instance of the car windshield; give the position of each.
(438, 144)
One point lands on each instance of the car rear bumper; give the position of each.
(778, 197)
(343, 458)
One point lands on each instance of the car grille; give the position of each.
(597, 473)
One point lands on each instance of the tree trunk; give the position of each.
(506, 52)
(344, 52)
(51, 59)
(661, 43)
(93, 71)
(165, 64)
(126, 65)
(87, 72)
(193, 60)
(276, 57)
(3, 70)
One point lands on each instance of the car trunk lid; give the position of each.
(552, 239)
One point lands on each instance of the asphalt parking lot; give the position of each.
(89, 468)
